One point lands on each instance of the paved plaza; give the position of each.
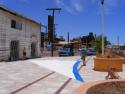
(48, 75)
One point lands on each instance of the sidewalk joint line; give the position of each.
(31, 83)
(63, 86)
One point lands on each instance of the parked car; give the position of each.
(81, 49)
(91, 51)
(66, 52)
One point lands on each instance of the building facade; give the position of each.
(16, 33)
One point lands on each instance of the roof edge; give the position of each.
(2, 7)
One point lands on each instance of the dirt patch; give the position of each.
(117, 87)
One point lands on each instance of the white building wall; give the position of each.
(7, 34)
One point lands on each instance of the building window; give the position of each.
(13, 24)
(16, 25)
(19, 25)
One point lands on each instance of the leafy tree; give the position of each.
(98, 43)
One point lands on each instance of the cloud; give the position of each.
(23, 1)
(77, 5)
(72, 6)
(60, 3)
(6, 1)
(2, 1)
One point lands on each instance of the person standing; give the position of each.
(83, 56)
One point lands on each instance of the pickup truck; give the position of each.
(65, 52)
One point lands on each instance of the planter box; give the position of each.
(102, 64)
(102, 87)
(124, 61)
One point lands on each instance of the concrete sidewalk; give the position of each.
(16, 78)
(90, 75)
(48, 75)
(62, 65)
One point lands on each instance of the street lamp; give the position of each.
(102, 14)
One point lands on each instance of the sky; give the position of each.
(78, 17)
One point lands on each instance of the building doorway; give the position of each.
(33, 50)
(14, 50)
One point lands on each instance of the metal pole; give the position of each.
(86, 42)
(118, 43)
(68, 37)
(44, 41)
(52, 35)
(102, 2)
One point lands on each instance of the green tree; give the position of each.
(98, 43)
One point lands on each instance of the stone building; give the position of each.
(16, 33)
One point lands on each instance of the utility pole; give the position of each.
(68, 38)
(53, 14)
(118, 43)
(102, 3)
(54, 33)
(86, 42)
